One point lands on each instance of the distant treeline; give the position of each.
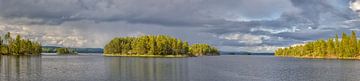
(52, 49)
(18, 46)
(244, 53)
(348, 46)
(157, 45)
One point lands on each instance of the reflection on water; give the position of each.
(147, 69)
(216, 68)
(20, 68)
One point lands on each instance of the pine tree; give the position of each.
(337, 45)
(353, 44)
(344, 45)
(330, 47)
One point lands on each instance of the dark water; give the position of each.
(211, 68)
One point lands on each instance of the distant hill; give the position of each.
(244, 53)
(52, 49)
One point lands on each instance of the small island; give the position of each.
(18, 46)
(66, 51)
(156, 46)
(333, 48)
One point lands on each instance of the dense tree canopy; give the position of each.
(18, 46)
(348, 46)
(203, 49)
(65, 51)
(154, 45)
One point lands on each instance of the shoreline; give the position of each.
(161, 56)
(317, 57)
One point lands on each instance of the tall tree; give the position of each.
(337, 45)
(353, 43)
(330, 47)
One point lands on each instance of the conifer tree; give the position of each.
(353, 43)
(337, 45)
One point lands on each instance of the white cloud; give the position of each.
(46, 35)
(355, 6)
(248, 39)
(256, 49)
(275, 31)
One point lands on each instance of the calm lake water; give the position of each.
(94, 67)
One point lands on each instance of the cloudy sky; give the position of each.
(230, 25)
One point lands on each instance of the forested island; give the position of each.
(156, 46)
(18, 46)
(65, 51)
(348, 47)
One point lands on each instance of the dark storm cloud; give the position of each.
(224, 23)
(163, 12)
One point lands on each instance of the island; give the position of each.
(156, 46)
(348, 47)
(66, 51)
(18, 46)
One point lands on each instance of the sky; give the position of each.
(230, 25)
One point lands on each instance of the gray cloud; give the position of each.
(163, 12)
(232, 25)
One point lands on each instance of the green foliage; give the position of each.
(149, 45)
(65, 51)
(18, 46)
(348, 46)
(203, 49)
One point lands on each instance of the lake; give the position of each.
(95, 67)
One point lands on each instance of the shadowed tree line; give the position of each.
(52, 49)
(347, 46)
(157, 45)
(18, 46)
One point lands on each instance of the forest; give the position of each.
(346, 47)
(18, 46)
(156, 45)
(64, 50)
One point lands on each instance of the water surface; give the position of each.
(94, 67)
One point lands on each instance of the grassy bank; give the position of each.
(327, 57)
(163, 56)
